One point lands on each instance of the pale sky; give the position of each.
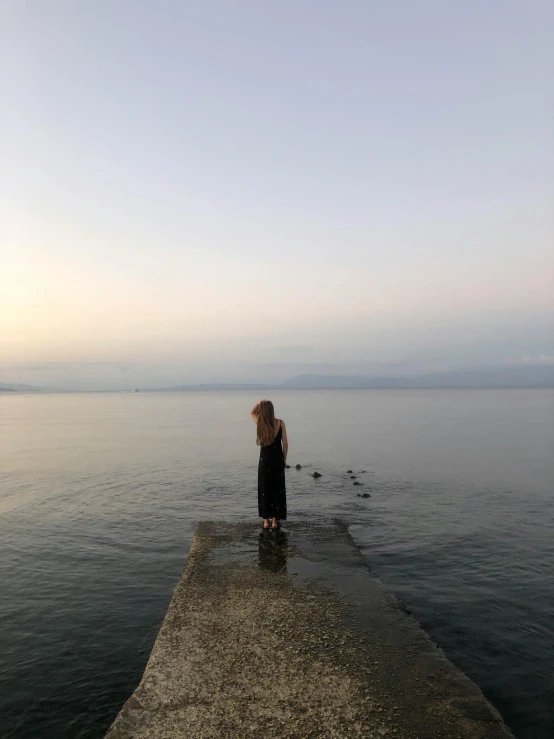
(195, 191)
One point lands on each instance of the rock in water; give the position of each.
(352, 477)
(287, 466)
(356, 483)
(298, 466)
(316, 475)
(348, 472)
(366, 495)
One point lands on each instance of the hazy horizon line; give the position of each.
(501, 376)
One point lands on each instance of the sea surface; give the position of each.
(100, 494)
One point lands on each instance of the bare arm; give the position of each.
(285, 440)
(254, 412)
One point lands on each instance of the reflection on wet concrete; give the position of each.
(272, 550)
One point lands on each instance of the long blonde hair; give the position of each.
(265, 428)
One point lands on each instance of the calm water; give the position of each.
(99, 495)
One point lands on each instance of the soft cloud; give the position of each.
(531, 360)
(540, 359)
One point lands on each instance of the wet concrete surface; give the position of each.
(287, 634)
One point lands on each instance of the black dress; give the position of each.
(272, 494)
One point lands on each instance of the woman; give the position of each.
(271, 437)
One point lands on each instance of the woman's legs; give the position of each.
(274, 523)
(266, 523)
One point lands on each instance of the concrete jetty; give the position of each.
(288, 634)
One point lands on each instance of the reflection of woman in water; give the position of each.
(271, 437)
(272, 551)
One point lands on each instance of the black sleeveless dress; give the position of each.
(272, 494)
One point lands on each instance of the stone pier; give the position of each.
(288, 634)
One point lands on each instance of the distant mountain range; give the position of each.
(491, 377)
(19, 388)
(218, 386)
(541, 376)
